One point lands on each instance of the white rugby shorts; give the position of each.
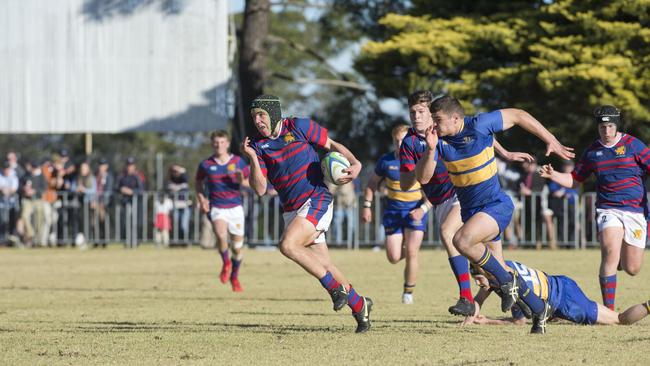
(234, 216)
(633, 223)
(442, 210)
(322, 225)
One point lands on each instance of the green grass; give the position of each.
(150, 306)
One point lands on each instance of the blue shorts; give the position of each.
(500, 209)
(395, 220)
(575, 306)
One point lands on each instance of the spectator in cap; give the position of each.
(178, 187)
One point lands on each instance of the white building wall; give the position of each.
(81, 66)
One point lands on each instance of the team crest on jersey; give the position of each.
(213, 168)
(467, 139)
(288, 138)
(231, 167)
(620, 151)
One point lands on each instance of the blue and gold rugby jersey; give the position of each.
(469, 159)
(545, 286)
(388, 168)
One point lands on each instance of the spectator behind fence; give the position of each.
(53, 173)
(345, 200)
(130, 186)
(32, 215)
(105, 181)
(84, 188)
(17, 170)
(557, 197)
(179, 188)
(509, 177)
(162, 207)
(533, 192)
(8, 201)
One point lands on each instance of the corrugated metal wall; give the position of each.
(112, 65)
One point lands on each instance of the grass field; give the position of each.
(150, 306)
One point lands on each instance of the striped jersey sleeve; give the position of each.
(312, 131)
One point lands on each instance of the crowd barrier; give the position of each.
(131, 221)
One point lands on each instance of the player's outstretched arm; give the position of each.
(563, 179)
(513, 116)
(257, 180)
(355, 165)
(512, 155)
(426, 166)
(368, 196)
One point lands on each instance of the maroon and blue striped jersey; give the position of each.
(220, 180)
(291, 163)
(439, 187)
(619, 172)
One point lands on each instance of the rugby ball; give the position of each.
(332, 166)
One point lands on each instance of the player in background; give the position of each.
(440, 193)
(403, 233)
(221, 176)
(566, 298)
(620, 163)
(466, 147)
(283, 153)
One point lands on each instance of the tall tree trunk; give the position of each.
(252, 63)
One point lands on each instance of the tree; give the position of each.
(558, 60)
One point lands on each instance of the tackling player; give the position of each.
(221, 176)
(564, 295)
(283, 152)
(620, 163)
(466, 147)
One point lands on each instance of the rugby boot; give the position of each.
(463, 307)
(339, 297)
(407, 298)
(510, 293)
(363, 316)
(540, 320)
(236, 286)
(225, 272)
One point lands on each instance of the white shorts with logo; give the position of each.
(322, 225)
(234, 216)
(442, 210)
(634, 224)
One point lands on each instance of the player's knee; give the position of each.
(287, 249)
(462, 241)
(393, 258)
(632, 270)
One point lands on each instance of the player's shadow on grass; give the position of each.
(194, 327)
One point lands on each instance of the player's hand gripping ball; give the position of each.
(333, 165)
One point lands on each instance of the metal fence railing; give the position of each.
(175, 220)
